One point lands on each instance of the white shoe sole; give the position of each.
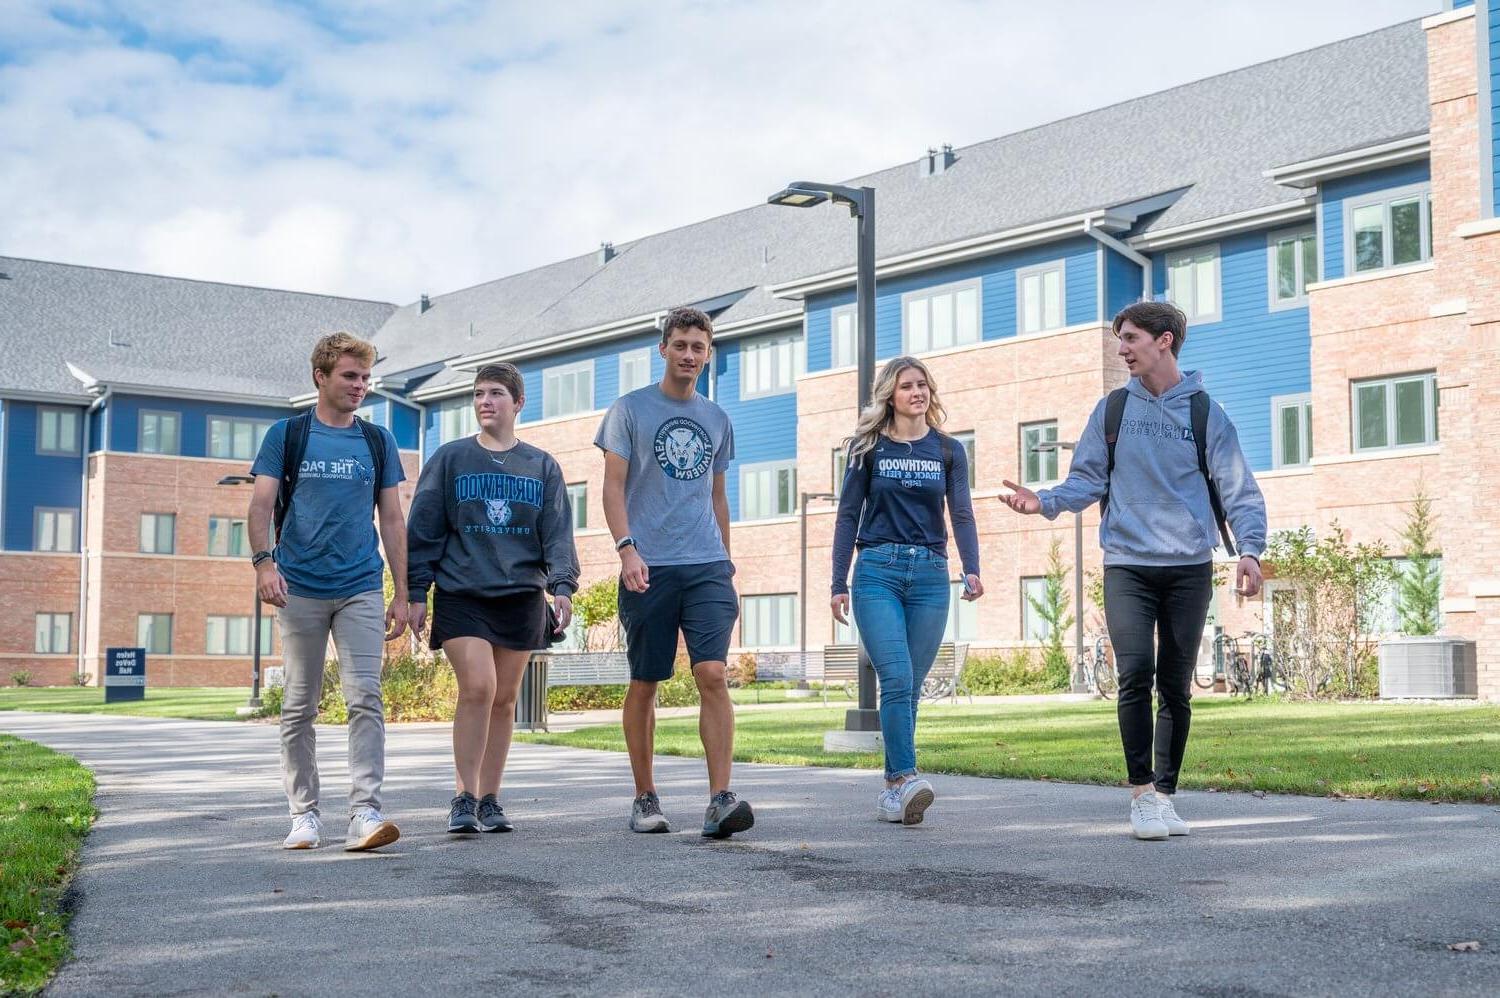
(917, 806)
(384, 834)
(890, 817)
(1150, 834)
(301, 845)
(1183, 830)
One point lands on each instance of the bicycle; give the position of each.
(1270, 671)
(1096, 669)
(1232, 664)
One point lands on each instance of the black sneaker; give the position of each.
(726, 815)
(463, 815)
(646, 816)
(492, 816)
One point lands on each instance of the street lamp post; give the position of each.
(1080, 681)
(861, 204)
(253, 704)
(802, 585)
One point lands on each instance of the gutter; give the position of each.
(1144, 262)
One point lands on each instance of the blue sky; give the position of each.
(382, 149)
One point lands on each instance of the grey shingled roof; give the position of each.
(1213, 138)
(181, 334)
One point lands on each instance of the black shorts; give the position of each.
(517, 621)
(698, 600)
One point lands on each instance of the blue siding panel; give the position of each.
(606, 358)
(1122, 282)
(1494, 88)
(1279, 341)
(405, 425)
(434, 429)
(765, 429)
(124, 420)
(380, 410)
(1333, 193)
(33, 479)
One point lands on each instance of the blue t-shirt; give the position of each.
(328, 547)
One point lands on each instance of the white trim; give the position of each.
(140, 430)
(634, 354)
(851, 310)
(1484, 588)
(1310, 172)
(1206, 318)
(569, 370)
(949, 289)
(38, 554)
(254, 421)
(1458, 604)
(1457, 306)
(1372, 275)
(1385, 454)
(773, 341)
(1294, 471)
(1060, 265)
(1298, 233)
(1422, 192)
(777, 521)
(1483, 227)
(1428, 380)
(1021, 429)
(45, 398)
(744, 327)
(1446, 17)
(1223, 225)
(1303, 402)
(190, 394)
(561, 341)
(773, 467)
(438, 392)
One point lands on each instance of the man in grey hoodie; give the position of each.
(1159, 527)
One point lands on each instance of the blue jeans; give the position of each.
(900, 599)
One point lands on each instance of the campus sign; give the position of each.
(124, 674)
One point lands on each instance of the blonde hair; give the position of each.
(881, 412)
(330, 348)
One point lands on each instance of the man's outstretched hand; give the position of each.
(1021, 499)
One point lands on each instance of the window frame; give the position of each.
(1056, 454)
(630, 357)
(1041, 270)
(229, 535)
(1027, 611)
(834, 315)
(267, 635)
(156, 534)
(142, 640)
(760, 467)
(840, 468)
(772, 342)
(1422, 192)
(52, 619)
(962, 625)
(258, 431)
(158, 414)
(928, 295)
(1303, 402)
(745, 607)
(1296, 233)
(461, 414)
(1176, 256)
(60, 411)
(966, 440)
(36, 529)
(578, 505)
(551, 377)
(1429, 411)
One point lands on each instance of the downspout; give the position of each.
(83, 519)
(1143, 262)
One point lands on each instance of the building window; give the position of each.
(456, 419)
(1292, 259)
(769, 365)
(56, 431)
(1395, 412)
(1038, 466)
(54, 633)
(1034, 594)
(846, 634)
(844, 348)
(236, 439)
(158, 533)
(1039, 298)
(1392, 229)
(159, 433)
(840, 469)
(1291, 430)
(568, 389)
(768, 621)
(635, 369)
(231, 636)
(965, 439)
(939, 318)
(56, 530)
(768, 489)
(963, 616)
(578, 502)
(153, 632)
(1193, 283)
(228, 538)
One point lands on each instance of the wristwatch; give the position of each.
(624, 542)
(258, 557)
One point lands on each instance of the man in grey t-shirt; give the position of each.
(666, 449)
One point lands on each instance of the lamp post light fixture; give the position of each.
(802, 585)
(861, 204)
(253, 704)
(1080, 682)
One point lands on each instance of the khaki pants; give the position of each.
(358, 627)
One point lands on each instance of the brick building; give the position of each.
(1326, 219)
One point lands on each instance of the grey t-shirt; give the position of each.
(674, 449)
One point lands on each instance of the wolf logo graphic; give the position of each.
(498, 510)
(683, 449)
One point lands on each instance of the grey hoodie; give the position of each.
(1159, 511)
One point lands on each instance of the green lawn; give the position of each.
(45, 811)
(207, 703)
(1355, 749)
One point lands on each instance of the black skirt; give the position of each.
(517, 621)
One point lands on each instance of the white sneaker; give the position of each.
(888, 805)
(306, 833)
(1145, 821)
(369, 829)
(916, 797)
(1168, 815)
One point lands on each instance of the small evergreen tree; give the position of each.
(1052, 608)
(1420, 588)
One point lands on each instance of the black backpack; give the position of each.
(1114, 414)
(298, 428)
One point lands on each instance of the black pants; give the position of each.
(1155, 616)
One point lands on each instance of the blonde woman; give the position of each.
(902, 469)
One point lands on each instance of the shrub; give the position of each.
(595, 608)
(680, 690)
(743, 671)
(1008, 674)
(21, 677)
(586, 697)
(82, 678)
(418, 688)
(270, 701)
(1420, 588)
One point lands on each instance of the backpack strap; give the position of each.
(1199, 409)
(293, 448)
(376, 444)
(1114, 415)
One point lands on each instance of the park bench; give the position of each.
(586, 668)
(841, 668)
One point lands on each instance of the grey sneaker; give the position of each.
(463, 814)
(492, 816)
(369, 829)
(646, 816)
(726, 815)
(888, 805)
(916, 796)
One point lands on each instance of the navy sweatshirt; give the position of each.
(904, 503)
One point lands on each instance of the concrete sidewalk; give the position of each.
(1010, 887)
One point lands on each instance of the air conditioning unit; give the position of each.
(1427, 668)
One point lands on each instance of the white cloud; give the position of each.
(375, 153)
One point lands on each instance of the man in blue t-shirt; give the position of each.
(327, 471)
